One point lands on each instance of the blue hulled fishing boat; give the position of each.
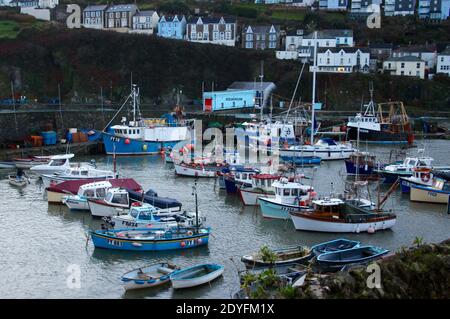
(144, 136)
(143, 239)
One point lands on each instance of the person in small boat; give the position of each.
(19, 174)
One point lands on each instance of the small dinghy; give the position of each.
(266, 257)
(148, 276)
(334, 245)
(196, 275)
(355, 255)
(18, 181)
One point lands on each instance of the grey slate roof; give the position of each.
(250, 85)
(122, 7)
(100, 7)
(330, 34)
(417, 48)
(408, 58)
(381, 46)
(145, 13)
(215, 20)
(345, 49)
(169, 18)
(261, 28)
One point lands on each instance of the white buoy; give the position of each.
(371, 230)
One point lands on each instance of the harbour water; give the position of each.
(42, 244)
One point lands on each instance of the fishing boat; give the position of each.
(334, 245)
(421, 176)
(57, 164)
(391, 173)
(118, 201)
(196, 275)
(238, 175)
(96, 190)
(74, 173)
(375, 128)
(361, 163)
(356, 255)
(261, 187)
(144, 239)
(144, 135)
(198, 170)
(147, 216)
(337, 216)
(289, 196)
(18, 181)
(437, 193)
(267, 132)
(31, 161)
(56, 193)
(7, 165)
(325, 148)
(148, 276)
(296, 254)
(302, 160)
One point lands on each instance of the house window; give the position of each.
(199, 35)
(248, 37)
(248, 45)
(117, 14)
(418, 73)
(402, 73)
(418, 65)
(402, 65)
(193, 35)
(228, 27)
(272, 45)
(124, 22)
(228, 35)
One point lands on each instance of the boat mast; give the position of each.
(313, 89)
(261, 98)
(194, 189)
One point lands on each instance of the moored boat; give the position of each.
(74, 173)
(361, 254)
(7, 165)
(150, 240)
(197, 170)
(18, 181)
(56, 193)
(361, 163)
(148, 276)
(268, 257)
(31, 161)
(391, 173)
(57, 164)
(421, 176)
(261, 187)
(325, 148)
(338, 216)
(289, 196)
(96, 190)
(437, 193)
(196, 275)
(333, 246)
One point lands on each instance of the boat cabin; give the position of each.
(292, 193)
(441, 181)
(143, 212)
(409, 163)
(94, 190)
(264, 181)
(118, 197)
(60, 160)
(329, 206)
(127, 131)
(364, 122)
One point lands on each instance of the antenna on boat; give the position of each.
(261, 98)
(313, 88)
(194, 192)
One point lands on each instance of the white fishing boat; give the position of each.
(289, 196)
(196, 275)
(148, 276)
(96, 190)
(337, 216)
(325, 148)
(143, 215)
(392, 172)
(57, 164)
(116, 202)
(197, 170)
(29, 162)
(75, 173)
(261, 187)
(437, 193)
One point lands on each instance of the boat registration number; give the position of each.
(113, 242)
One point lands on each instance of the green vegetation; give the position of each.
(268, 255)
(9, 29)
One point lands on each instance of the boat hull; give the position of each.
(102, 241)
(391, 177)
(377, 137)
(192, 172)
(188, 283)
(249, 196)
(75, 203)
(270, 209)
(324, 155)
(302, 160)
(125, 146)
(363, 169)
(428, 195)
(142, 284)
(100, 209)
(302, 222)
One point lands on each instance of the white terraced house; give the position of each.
(94, 16)
(443, 62)
(215, 30)
(343, 60)
(405, 66)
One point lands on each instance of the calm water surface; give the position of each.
(39, 242)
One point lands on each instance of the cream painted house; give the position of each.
(405, 66)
